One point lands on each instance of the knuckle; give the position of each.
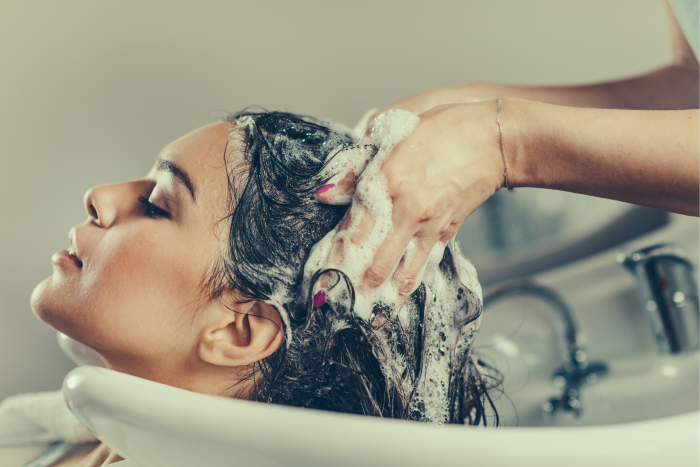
(348, 182)
(395, 184)
(429, 232)
(449, 233)
(424, 211)
(398, 179)
(406, 287)
(375, 276)
(337, 252)
(448, 229)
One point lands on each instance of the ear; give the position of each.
(240, 335)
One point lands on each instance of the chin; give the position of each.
(47, 308)
(38, 299)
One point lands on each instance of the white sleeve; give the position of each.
(688, 15)
(39, 418)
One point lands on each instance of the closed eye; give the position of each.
(153, 211)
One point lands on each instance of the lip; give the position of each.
(70, 257)
(63, 258)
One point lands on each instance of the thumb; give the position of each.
(344, 167)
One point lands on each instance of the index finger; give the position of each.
(387, 258)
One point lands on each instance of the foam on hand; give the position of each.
(444, 314)
(370, 198)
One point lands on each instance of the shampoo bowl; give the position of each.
(154, 425)
(644, 412)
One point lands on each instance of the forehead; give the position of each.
(200, 154)
(203, 147)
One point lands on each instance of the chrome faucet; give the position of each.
(669, 295)
(576, 370)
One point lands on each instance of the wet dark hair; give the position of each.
(274, 222)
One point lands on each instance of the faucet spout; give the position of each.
(576, 370)
(669, 293)
(574, 352)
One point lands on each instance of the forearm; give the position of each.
(649, 158)
(670, 88)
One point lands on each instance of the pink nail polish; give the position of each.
(319, 299)
(325, 188)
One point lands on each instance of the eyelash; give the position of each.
(153, 211)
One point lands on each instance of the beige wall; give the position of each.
(90, 91)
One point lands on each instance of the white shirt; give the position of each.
(688, 15)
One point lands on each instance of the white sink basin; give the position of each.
(520, 337)
(643, 413)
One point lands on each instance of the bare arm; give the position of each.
(453, 161)
(670, 88)
(574, 139)
(650, 158)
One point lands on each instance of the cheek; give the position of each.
(141, 289)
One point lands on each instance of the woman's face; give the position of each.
(147, 248)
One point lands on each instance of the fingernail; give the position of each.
(325, 188)
(319, 299)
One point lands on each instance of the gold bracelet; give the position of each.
(503, 146)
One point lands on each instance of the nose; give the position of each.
(101, 206)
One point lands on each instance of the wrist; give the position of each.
(484, 151)
(518, 126)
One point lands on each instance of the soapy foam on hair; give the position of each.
(451, 314)
(423, 348)
(371, 197)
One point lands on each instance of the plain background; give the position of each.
(90, 91)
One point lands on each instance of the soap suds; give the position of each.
(370, 198)
(442, 329)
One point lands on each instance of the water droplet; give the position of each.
(678, 297)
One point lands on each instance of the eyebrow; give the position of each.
(174, 169)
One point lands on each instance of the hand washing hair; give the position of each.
(207, 274)
(345, 355)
